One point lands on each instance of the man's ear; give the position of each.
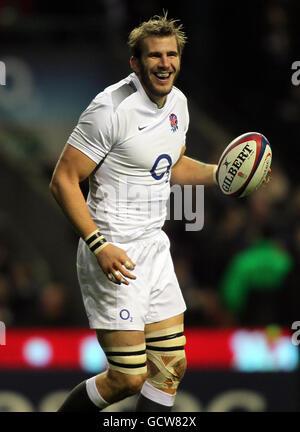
(134, 64)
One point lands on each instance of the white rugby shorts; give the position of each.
(153, 296)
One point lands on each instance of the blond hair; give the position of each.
(156, 26)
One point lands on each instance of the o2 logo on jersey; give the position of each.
(155, 166)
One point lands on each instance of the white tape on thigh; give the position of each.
(130, 360)
(165, 350)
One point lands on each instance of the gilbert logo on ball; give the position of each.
(244, 164)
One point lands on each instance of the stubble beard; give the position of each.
(150, 88)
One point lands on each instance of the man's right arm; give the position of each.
(72, 168)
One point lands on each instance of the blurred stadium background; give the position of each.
(239, 274)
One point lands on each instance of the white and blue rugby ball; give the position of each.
(244, 164)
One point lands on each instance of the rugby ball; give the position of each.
(244, 164)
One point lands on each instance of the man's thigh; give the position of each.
(119, 338)
(125, 352)
(170, 322)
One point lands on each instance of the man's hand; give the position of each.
(114, 262)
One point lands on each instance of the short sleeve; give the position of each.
(93, 134)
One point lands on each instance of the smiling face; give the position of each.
(158, 66)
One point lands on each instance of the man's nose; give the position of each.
(164, 61)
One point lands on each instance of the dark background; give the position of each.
(237, 75)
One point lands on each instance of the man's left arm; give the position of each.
(188, 171)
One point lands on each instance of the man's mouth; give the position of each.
(162, 76)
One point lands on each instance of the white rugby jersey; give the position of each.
(135, 145)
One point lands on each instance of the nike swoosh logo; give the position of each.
(141, 127)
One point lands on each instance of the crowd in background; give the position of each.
(242, 267)
(29, 293)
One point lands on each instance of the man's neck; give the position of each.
(159, 101)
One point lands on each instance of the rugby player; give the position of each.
(130, 143)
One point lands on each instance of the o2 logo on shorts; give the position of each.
(167, 172)
(125, 315)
